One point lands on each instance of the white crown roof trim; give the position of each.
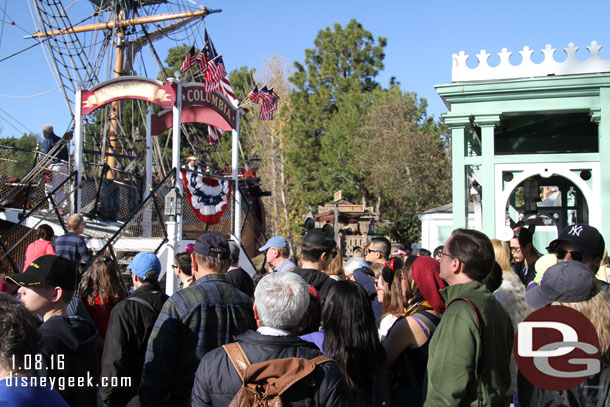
(527, 69)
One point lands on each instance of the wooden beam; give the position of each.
(123, 23)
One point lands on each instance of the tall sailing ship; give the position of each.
(126, 174)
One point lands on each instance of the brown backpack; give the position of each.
(264, 383)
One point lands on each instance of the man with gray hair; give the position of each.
(281, 300)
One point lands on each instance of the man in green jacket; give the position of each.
(469, 354)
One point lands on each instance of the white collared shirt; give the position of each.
(267, 330)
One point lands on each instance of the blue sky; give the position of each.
(422, 36)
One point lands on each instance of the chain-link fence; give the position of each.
(144, 230)
(18, 234)
(119, 222)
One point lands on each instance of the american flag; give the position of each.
(269, 103)
(216, 66)
(203, 62)
(254, 95)
(214, 134)
(189, 61)
(226, 89)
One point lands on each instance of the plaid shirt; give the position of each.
(73, 247)
(192, 322)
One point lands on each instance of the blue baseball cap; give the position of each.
(275, 241)
(143, 263)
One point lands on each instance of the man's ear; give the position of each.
(256, 318)
(194, 265)
(57, 293)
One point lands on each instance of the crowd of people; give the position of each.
(433, 329)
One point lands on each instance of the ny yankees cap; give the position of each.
(585, 238)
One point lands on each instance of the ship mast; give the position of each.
(120, 24)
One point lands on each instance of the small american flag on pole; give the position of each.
(216, 66)
(189, 61)
(254, 95)
(269, 103)
(203, 62)
(226, 89)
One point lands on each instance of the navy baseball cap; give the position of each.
(47, 271)
(568, 281)
(144, 262)
(584, 237)
(275, 241)
(212, 245)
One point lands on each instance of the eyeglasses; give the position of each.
(562, 253)
(373, 251)
(515, 249)
(448, 255)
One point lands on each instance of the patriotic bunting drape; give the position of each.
(209, 197)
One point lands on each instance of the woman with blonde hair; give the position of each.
(390, 292)
(571, 284)
(335, 268)
(511, 294)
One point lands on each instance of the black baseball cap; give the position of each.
(47, 271)
(584, 237)
(212, 245)
(319, 237)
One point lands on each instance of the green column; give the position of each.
(458, 146)
(604, 159)
(487, 124)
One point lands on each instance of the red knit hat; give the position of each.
(426, 274)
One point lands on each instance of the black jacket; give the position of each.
(217, 381)
(317, 279)
(129, 327)
(241, 280)
(68, 350)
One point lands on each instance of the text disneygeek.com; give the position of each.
(61, 383)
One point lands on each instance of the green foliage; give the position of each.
(408, 167)
(342, 66)
(17, 162)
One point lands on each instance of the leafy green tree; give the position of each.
(343, 64)
(17, 162)
(408, 169)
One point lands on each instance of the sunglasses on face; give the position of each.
(576, 255)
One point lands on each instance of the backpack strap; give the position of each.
(479, 362)
(238, 358)
(143, 302)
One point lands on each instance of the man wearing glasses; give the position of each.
(317, 251)
(524, 253)
(469, 353)
(579, 242)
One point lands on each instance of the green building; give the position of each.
(531, 140)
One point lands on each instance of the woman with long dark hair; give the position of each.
(100, 290)
(41, 246)
(350, 337)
